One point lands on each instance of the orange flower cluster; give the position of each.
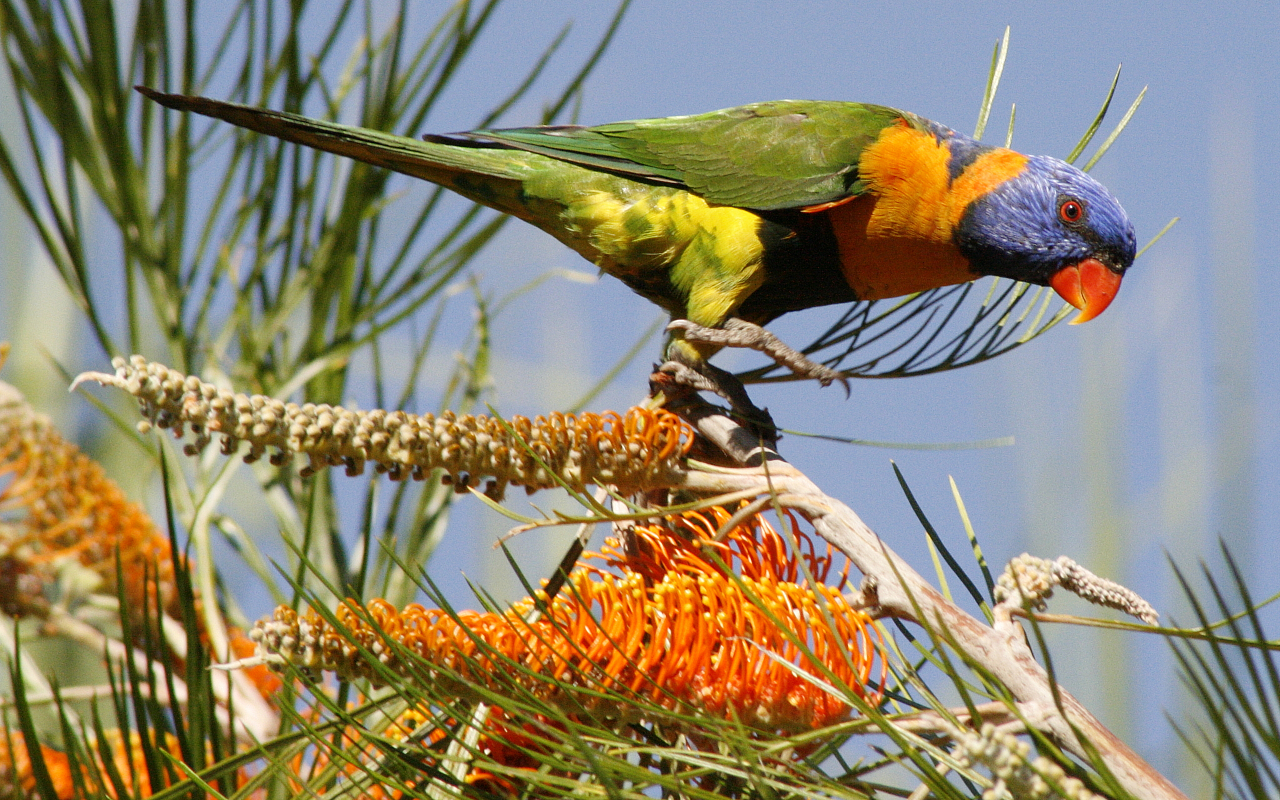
(62, 505)
(77, 779)
(18, 780)
(643, 449)
(71, 509)
(502, 741)
(673, 617)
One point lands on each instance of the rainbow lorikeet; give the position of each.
(730, 219)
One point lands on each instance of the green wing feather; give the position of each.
(782, 154)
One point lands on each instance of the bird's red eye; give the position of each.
(1071, 211)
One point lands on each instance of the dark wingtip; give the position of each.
(491, 140)
(476, 139)
(456, 139)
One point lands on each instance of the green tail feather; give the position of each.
(454, 167)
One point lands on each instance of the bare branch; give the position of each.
(900, 592)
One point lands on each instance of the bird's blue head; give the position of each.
(1051, 225)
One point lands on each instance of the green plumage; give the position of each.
(766, 156)
(659, 203)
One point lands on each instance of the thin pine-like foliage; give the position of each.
(1229, 666)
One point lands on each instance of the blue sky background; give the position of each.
(1147, 434)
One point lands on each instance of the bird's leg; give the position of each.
(740, 333)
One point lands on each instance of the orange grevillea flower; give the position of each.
(669, 615)
(502, 742)
(60, 504)
(18, 780)
(16, 776)
(639, 450)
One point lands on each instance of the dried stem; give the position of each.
(899, 591)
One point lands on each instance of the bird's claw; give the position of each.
(706, 377)
(740, 333)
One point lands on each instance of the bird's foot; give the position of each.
(740, 333)
(675, 377)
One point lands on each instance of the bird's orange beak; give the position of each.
(1089, 286)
